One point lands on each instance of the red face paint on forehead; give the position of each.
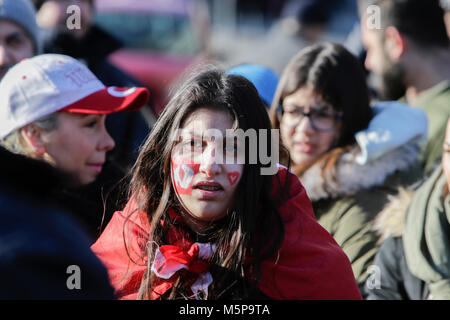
(233, 177)
(183, 172)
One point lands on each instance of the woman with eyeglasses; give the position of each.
(348, 155)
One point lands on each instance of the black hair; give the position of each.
(421, 20)
(335, 75)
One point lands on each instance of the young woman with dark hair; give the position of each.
(197, 227)
(348, 155)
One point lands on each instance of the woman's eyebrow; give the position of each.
(320, 107)
(291, 105)
(323, 107)
(89, 116)
(190, 135)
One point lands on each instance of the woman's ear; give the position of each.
(32, 136)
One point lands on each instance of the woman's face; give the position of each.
(305, 141)
(78, 146)
(446, 154)
(205, 184)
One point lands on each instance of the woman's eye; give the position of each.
(295, 112)
(91, 124)
(16, 41)
(324, 114)
(192, 145)
(195, 143)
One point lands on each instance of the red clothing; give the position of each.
(310, 264)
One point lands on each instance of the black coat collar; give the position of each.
(23, 174)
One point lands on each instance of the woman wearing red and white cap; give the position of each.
(54, 109)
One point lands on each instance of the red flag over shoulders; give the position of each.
(309, 265)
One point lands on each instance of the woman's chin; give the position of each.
(207, 213)
(301, 158)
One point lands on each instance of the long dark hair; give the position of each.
(338, 78)
(254, 227)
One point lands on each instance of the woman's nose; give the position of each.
(106, 142)
(304, 126)
(208, 162)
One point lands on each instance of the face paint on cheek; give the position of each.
(233, 177)
(183, 172)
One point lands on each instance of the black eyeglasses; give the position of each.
(321, 119)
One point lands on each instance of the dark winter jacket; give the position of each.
(392, 279)
(93, 205)
(41, 246)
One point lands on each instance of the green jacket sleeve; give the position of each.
(350, 223)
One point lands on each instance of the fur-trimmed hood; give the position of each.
(349, 177)
(389, 222)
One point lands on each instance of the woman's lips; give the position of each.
(208, 190)
(303, 147)
(97, 167)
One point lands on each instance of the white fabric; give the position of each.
(205, 250)
(201, 285)
(394, 125)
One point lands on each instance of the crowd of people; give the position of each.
(355, 209)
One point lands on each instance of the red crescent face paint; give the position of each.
(183, 172)
(233, 177)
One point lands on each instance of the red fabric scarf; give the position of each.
(181, 252)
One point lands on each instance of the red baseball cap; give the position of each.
(110, 100)
(49, 83)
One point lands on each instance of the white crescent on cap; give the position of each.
(121, 94)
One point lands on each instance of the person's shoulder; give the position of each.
(29, 177)
(286, 186)
(302, 268)
(42, 243)
(123, 236)
(120, 248)
(435, 100)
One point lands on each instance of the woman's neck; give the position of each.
(197, 226)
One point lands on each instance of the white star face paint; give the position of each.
(183, 172)
(204, 186)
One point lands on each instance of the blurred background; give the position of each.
(163, 38)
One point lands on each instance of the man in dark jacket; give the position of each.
(92, 46)
(44, 254)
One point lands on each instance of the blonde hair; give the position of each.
(15, 141)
